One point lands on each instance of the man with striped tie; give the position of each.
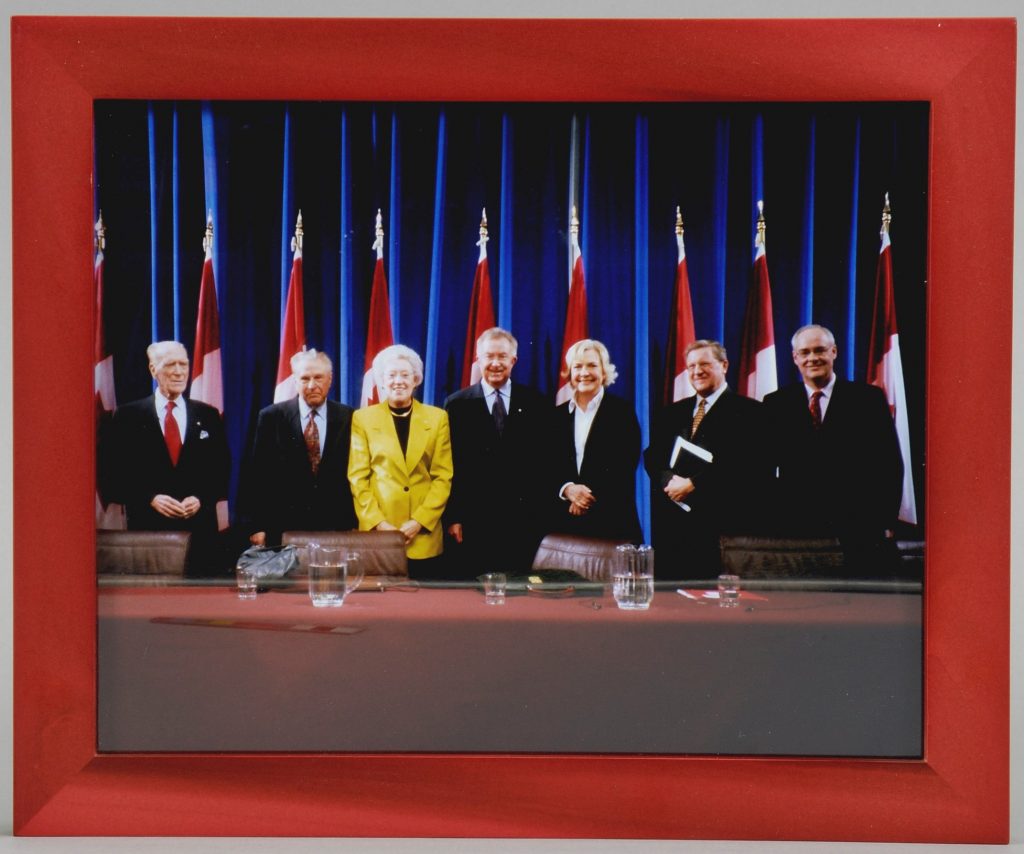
(708, 467)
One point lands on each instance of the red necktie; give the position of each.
(172, 435)
(815, 407)
(312, 437)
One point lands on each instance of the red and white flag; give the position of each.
(681, 331)
(108, 516)
(293, 327)
(378, 333)
(885, 368)
(481, 309)
(576, 311)
(207, 377)
(758, 374)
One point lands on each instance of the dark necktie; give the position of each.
(312, 436)
(698, 417)
(172, 435)
(498, 412)
(815, 407)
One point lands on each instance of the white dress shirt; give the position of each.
(491, 393)
(709, 401)
(180, 415)
(583, 421)
(826, 394)
(321, 420)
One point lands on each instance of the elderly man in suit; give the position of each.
(170, 457)
(715, 482)
(840, 472)
(497, 427)
(300, 458)
(400, 464)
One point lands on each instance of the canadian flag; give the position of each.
(378, 333)
(293, 327)
(885, 368)
(481, 309)
(207, 377)
(108, 516)
(758, 374)
(681, 331)
(576, 311)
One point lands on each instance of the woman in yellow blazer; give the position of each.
(400, 463)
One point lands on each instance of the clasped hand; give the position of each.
(174, 509)
(580, 498)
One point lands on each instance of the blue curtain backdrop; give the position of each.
(821, 169)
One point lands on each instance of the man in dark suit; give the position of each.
(498, 428)
(840, 472)
(170, 457)
(300, 458)
(697, 499)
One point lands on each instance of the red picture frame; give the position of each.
(959, 791)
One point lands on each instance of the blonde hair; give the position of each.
(607, 368)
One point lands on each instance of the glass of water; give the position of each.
(245, 578)
(728, 590)
(633, 577)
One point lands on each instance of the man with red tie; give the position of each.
(169, 456)
(840, 473)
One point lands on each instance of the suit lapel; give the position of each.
(419, 433)
(382, 425)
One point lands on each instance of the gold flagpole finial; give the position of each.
(208, 236)
(297, 239)
(100, 241)
(760, 220)
(574, 222)
(679, 221)
(886, 215)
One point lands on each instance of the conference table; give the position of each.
(415, 668)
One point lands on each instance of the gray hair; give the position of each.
(397, 351)
(313, 355)
(160, 351)
(498, 332)
(716, 348)
(816, 326)
(607, 368)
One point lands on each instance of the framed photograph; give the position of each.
(963, 70)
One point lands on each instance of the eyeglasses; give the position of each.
(700, 366)
(813, 351)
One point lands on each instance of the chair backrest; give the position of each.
(149, 553)
(380, 552)
(781, 557)
(591, 557)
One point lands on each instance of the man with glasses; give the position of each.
(708, 468)
(840, 472)
(300, 458)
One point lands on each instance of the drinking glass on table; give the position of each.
(633, 577)
(728, 590)
(245, 578)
